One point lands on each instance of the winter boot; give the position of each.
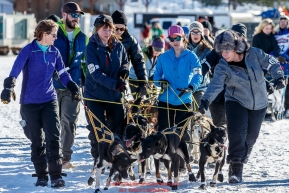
(235, 172)
(42, 181)
(57, 183)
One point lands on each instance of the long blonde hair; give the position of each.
(263, 24)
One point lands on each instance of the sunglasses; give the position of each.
(75, 15)
(196, 33)
(120, 29)
(178, 38)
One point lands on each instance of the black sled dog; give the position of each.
(212, 149)
(168, 147)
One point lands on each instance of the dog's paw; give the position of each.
(90, 181)
(116, 177)
(220, 177)
(105, 188)
(132, 177)
(192, 178)
(170, 184)
(160, 181)
(103, 170)
(148, 172)
(213, 184)
(203, 187)
(196, 161)
(198, 175)
(141, 180)
(97, 191)
(174, 187)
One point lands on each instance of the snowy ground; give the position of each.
(267, 170)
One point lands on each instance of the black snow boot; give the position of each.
(235, 172)
(57, 183)
(42, 181)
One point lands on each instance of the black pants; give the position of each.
(112, 115)
(43, 130)
(243, 130)
(218, 113)
(165, 120)
(287, 97)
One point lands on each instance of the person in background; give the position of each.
(264, 39)
(107, 65)
(215, 28)
(186, 31)
(240, 70)
(151, 54)
(146, 33)
(178, 71)
(199, 45)
(208, 32)
(157, 30)
(38, 100)
(71, 43)
(282, 38)
(54, 18)
(133, 50)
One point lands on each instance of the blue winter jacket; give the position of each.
(103, 67)
(37, 68)
(180, 73)
(74, 60)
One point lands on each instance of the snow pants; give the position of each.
(112, 115)
(243, 130)
(43, 129)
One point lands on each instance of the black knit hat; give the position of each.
(240, 28)
(207, 24)
(119, 17)
(54, 18)
(102, 19)
(71, 7)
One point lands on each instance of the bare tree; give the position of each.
(120, 3)
(147, 3)
(91, 7)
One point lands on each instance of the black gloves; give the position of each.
(204, 106)
(8, 91)
(185, 90)
(164, 83)
(120, 86)
(279, 83)
(124, 73)
(269, 87)
(74, 89)
(142, 90)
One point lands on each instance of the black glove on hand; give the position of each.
(279, 83)
(142, 90)
(184, 91)
(8, 91)
(164, 84)
(124, 74)
(203, 106)
(74, 89)
(269, 87)
(120, 86)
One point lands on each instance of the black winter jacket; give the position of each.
(134, 55)
(267, 43)
(103, 67)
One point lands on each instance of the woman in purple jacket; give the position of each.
(39, 108)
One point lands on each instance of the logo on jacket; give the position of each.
(282, 41)
(91, 68)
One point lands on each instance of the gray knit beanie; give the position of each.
(230, 40)
(195, 25)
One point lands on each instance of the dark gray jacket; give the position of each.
(246, 86)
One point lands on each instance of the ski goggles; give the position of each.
(120, 29)
(178, 38)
